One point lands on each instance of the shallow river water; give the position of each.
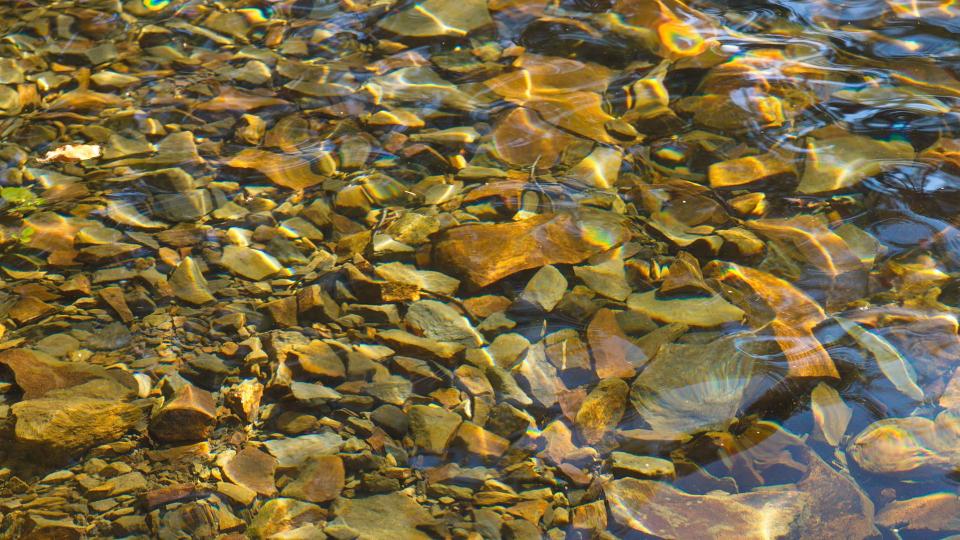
(479, 269)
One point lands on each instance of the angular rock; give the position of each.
(294, 451)
(249, 263)
(319, 480)
(53, 428)
(661, 510)
(404, 520)
(254, 470)
(189, 284)
(613, 354)
(545, 289)
(439, 321)
(280, 515)
(433, 428)
(602, 410)
(189, 416)
(487, 253)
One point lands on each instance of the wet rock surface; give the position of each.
(479, 270)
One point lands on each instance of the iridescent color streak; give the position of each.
(156, 5)
(598, 235)
(255, 15)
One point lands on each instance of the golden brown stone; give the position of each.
(613, 354)
(320, 479)
(189, 416)
(487, 253)
(602, 410)
(253, 469)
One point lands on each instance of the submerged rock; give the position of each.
(486, 253)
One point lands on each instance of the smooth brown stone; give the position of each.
(253, 469)
(938, 512)
(433, 428)
(50, 429)
(486, 253)
(189, 284)
(602, 410)
(813, 242)
(158, 497)
(321, 479)
(661, 510)
(481, 442)
(589, 517)
(280, 515)
(189, 416)
(795, 317)
(282, 169)
(750, 169)
(29, 309)
(613, 354)
(38, 374)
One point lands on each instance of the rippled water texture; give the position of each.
(479, 269)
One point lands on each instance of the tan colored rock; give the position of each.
(937, 512)
(481, 442)
(659, 509)
(613, 354)
(254, 470)
(433, 428)
(602, 410)
(393, 516)
(54, 428)
(486, 253)
(189, 284)
(249, 263)
(280, 515)
(321, 479)
(37, 374)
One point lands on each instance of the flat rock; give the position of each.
(279, 515)
(613, 354)
(321, 479)
(487, 253)
(697, 311)
(659, 509)
(367, 516)
(937, 512)
(438, 18)
(254, 470)
(37, 374)
(602, 410)
(249, 263)
(433, 428)
(545, 289)
(438, 321)
(294, 451)
(53, 428)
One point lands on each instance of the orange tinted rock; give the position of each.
(37, 374)
(321, 479)
(481, 442)
(613, 354)
(750, 169)
(684, 277)
(486, 253)
(233, 100)
(29, 309)
(284, 170)
(189, 416)
(796, 315)
(813, 241)
(253, 469)
(113, 296)
(521, 137)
